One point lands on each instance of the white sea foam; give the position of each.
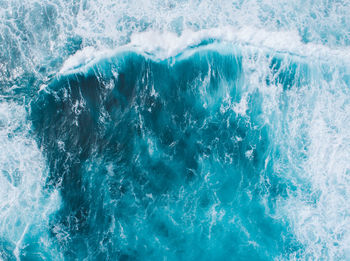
(320, 213)
(39, 36)
(165, 45)
(25, 205)
(310, 128)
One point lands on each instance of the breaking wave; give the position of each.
(180, 129)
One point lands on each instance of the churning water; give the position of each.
(174, 130)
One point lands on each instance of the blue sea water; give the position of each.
(176, 130)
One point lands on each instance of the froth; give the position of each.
(24, 204)
(309, 124)
(163, 45)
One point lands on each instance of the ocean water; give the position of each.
(174, 130)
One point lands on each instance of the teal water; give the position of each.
(176, 130)
(151, 166)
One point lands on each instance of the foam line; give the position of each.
(161, 46)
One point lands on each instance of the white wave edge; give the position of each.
(165, 45)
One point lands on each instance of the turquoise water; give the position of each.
(178, 139)
(158, 169)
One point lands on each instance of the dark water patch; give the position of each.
(150, 166)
